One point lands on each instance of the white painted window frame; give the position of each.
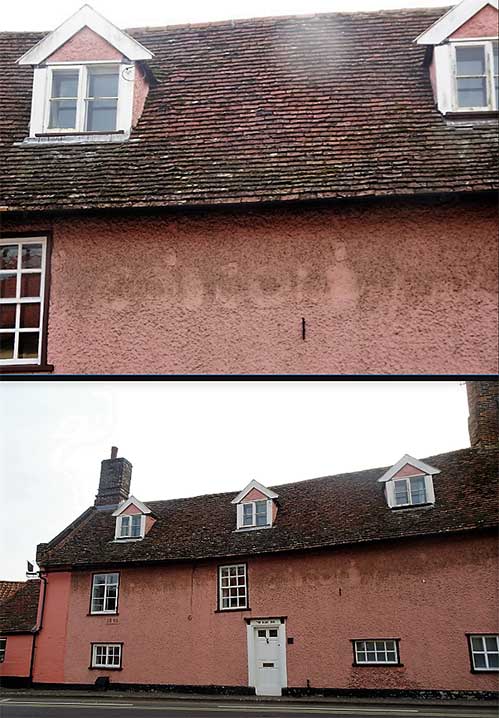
(107, 646)
(429, 490)
(484, 651)
(18, 300)
(128, 537)
(492, 100)
(3, 648)
(221, 588)
(108, 612)
(42, 92)
(241, 526)
(363, 642)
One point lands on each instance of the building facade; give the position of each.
(241, 202)
(383, 580)
(20, 610)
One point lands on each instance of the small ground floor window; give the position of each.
(3, 646)
(484, 651)
(106, 655)
(376, 652)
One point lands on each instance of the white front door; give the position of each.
(267, 669)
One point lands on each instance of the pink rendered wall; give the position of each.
(426, 592)
(483, 24)
(408, 470)
(17, 656)
(254, 495)
(395, 287)
(140, 90)
(51, 640)
(130, 510)
(85, 45)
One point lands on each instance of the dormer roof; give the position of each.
(132, 500)
(254, 485)
(452, 20)
(86, 16)
(411, 461)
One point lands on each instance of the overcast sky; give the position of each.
(46, 15)
(190, 438)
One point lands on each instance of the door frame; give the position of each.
(252, 625)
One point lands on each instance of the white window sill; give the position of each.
(127, 540)
(251, 528)
(74, 138)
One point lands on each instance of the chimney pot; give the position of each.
(114, 452)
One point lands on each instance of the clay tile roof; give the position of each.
(19, 611)
(7, 588)
(324, 512)
(320, 106)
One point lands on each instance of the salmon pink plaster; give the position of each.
(254, 495)
(51, 641)
(427, 592)
(393, 286)
(140, 90)
(17, 656)
(483, 24)
(86, 45)
(407, 470)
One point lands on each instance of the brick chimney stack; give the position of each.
(114, 483)
(483, 421)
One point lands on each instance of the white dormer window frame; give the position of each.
(42, 99)
(490, 73)
(421, 471)
(407, 484)
(130, 527)
(249, 513)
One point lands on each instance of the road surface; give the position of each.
(43, 707)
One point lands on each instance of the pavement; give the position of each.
(30, 703)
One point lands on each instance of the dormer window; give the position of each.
(90, 82)
(133, 520)
(410, 491)
(131, 526)
(256, 507)
(409, 483)
(463, 51)
(83, 99)
(476, 73)
(256, 513)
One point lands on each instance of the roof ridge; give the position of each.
(296, 16)
(344, 474)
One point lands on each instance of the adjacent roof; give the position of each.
(327, 512)
(8, 588)
(18, 613)
(321, 106)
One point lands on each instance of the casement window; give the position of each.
(23, 280)
(255, 513)
(476, 76)
(130, 526)
(232, 587)
(104, 593)
(106, 655)
(3, 647)
(484, 652)
(83, 98)
(376, 652)
(410, 491)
